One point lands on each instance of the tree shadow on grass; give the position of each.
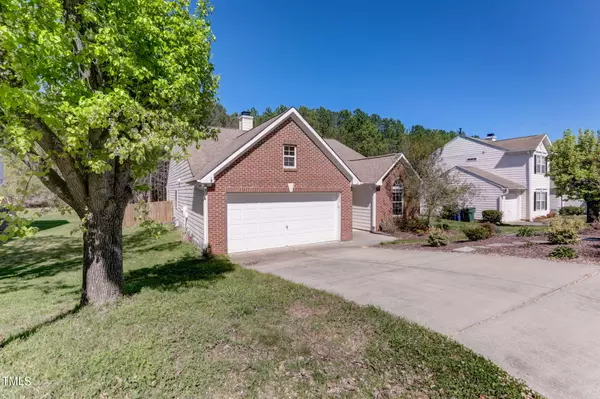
(177, 273)
(39, 257)
(23, 335)
(42, 225)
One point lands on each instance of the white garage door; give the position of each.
(272, 220)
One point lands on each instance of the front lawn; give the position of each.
(191, 328)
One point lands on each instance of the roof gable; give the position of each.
(236, 143)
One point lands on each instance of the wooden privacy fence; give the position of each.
(160, 211)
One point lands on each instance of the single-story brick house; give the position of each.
(280, 184)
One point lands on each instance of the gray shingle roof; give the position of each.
(212, 152)
(344, 152)
(497, 180)
(371, 169)
(526, 143)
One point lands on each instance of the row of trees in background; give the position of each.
(369, 134)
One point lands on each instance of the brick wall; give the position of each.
(261, 170)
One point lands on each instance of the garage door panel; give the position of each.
(271, 220)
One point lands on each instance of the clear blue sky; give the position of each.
(513, 67)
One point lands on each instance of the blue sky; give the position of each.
(510, 67)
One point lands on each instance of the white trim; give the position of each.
(292, 112)
(387, 172)
(374, 211)
(287, 155)
(205, 210)
(338, 223)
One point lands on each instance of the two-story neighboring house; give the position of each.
(509, 175)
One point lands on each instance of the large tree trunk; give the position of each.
(103, 257)
(593, 210)
(103, 237)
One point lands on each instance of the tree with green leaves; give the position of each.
(574, 167)
(93, 95)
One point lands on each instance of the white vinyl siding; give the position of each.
(509, 166)
(188, 197)
(487, 197)
(362, 197)
(539, 181)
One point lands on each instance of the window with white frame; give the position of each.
(398, 198)
(541, 164)
(176, 199)
(289, 156)
(540, 200)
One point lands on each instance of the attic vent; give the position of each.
(471, 159)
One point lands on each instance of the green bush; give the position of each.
(443, 225)
(490, 229)
(525, 232)
(564, 231)
(563, 252)
(478, 232)
(413, 225)
(571, 211)
(437, 238)
(492, 216)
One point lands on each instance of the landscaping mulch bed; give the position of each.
(588, 247)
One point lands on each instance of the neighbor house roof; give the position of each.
(490, 177)
(526, 143)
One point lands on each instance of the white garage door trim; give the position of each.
(273, 220)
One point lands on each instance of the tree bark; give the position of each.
(593, 210)
(103, 257)
(103, 238)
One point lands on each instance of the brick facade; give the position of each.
(261, 170)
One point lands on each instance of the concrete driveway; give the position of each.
(539, 320)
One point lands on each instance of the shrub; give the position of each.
(571, 211)
(449, 211)
(478, 232)
(437, 238)
(525, 232)
(490, 229)
(563, 252)
(413, 225)
(564, 231)
(443, 225)
(492, 216)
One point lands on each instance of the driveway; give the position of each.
(539, 320)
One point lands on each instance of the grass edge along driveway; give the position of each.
(190, 328)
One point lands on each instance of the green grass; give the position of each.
(190, 328)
